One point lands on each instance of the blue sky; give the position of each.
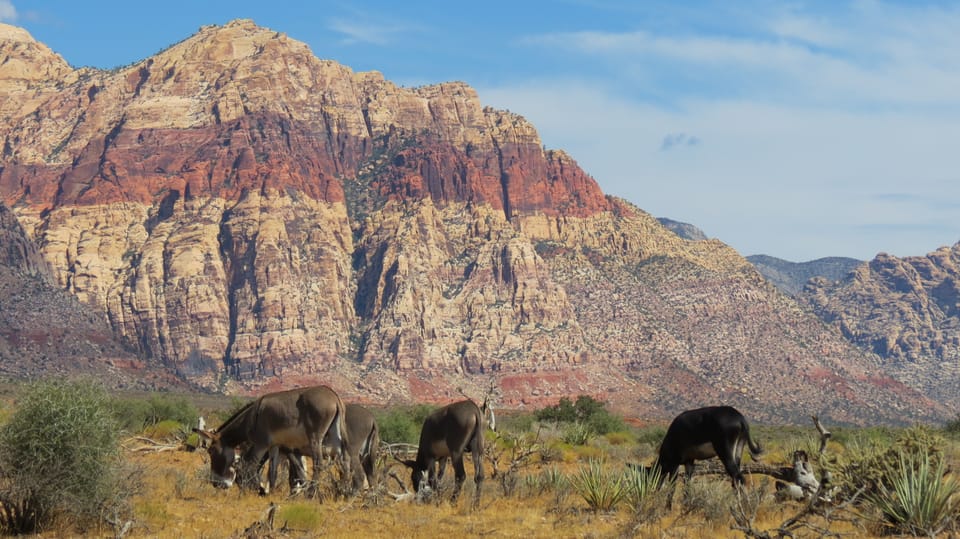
(795, 129)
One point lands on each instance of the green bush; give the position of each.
(402, 424)
(137, 414)
(952, 428)
(586, 411)
(60, 453)
(301, 516)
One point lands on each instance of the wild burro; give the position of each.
(363, 446)
(296, 419)
(703, 433)
(447, 433)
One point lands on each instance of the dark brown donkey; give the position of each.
(363, 446)
(293, 419)
(448, 433)
(714, 431)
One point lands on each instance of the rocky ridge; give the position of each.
(792, 276)
(905, 310)
(250, 216)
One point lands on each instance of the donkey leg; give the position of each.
(460, 474)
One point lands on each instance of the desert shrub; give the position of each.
(402, 424)
(137, 414)
(619, 437)
(866, 466)
(516, 423)
(601, 489)
(59, 453)
(585, 411)
(549, 479)
(301, 516)
(711, 499)
(952, 428)
(919, 500)
(168, 429)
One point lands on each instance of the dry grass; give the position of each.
(178, 502)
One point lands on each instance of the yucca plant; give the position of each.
(600, 489)
(920, 500)
(646, 492)
(641, 482)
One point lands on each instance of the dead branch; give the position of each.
(148, 445)
(399, 450)
(715, 467)
(824, 433)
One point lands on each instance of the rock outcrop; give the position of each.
(250, 216)
(905, 310)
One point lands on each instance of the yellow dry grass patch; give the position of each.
(177, 501)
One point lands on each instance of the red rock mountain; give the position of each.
(251, 216)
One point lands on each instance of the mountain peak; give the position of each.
(15, 33)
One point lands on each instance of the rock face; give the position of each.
(46, 332)
(251, 217)
(906, 310)
(791, 277)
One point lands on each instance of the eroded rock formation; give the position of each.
(251, 216)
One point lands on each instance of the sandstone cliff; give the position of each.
(46, 332)
(251, 216)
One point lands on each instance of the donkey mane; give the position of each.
(236, 416)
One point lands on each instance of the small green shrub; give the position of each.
(619, 437)
(402, 424)
(586, 411)
(60, 453)
(137, 414)
(920, 499)
(301, 516)
(601, 489)
(952, 428)
(168, 429)
(515, 423)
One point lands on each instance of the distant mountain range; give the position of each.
(243, 216)
(792, 276)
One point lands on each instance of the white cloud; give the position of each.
(874, 54)
(794, 182)
(360, 32)
(811, 122)
(8, 13)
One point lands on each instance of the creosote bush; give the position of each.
(59, 453)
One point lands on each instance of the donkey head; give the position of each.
(224, 459)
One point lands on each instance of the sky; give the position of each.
(796, 129)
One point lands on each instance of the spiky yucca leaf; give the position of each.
(921, 499)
